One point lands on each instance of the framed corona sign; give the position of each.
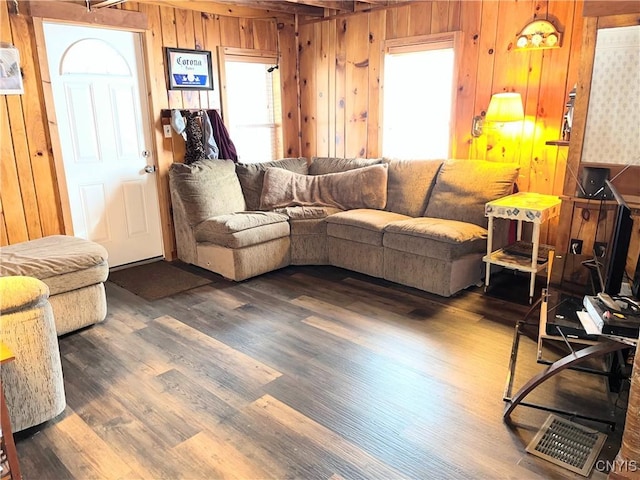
(189, 69)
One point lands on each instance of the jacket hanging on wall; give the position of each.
(227, 149)
(178, 124)
(210, 146)
(195, 146)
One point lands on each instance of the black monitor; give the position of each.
(612, 270)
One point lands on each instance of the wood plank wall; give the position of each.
(29, 199)
(340, 77)
(339, 91)
(30, 203)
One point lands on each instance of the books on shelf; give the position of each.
(525, 249)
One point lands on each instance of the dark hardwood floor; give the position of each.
(307, 372)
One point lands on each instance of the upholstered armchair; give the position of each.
(33, 383)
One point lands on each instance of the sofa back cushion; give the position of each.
(325, 165)
(206, 188)
(464, 186)
(410, 184)
(361, 188)
(251, 176)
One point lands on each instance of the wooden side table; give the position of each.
(535, 208)
(9, 468)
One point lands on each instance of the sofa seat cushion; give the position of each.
(238, 230)
(308, 220)
(307, 212)
(361, 225)
(435, 237)
(63, 262)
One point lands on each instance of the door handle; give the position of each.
(150, 168)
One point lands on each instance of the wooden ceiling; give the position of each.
(264, 8)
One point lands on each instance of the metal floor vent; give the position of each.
(570, 445)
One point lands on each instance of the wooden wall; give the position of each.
(340, 79)
(30, 198)
(339, 92)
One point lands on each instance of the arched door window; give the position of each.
(95, 57)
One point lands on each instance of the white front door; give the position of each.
(97, 81)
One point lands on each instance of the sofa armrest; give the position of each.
(185, 237)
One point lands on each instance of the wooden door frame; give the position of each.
(583, 87)
(107, 18)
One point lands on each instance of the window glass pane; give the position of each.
(256, 142)
(93, 56)
(417, 104)
(253, 101)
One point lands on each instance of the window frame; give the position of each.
(420, 43)
(245, 55)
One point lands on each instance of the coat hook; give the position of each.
(88, 2)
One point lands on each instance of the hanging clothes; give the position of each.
(211, 150)
(178, 123)
(195, 146)
(227, 149)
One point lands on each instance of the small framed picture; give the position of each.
(189, 69)
(10, 75)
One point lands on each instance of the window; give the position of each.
(252, 107)
(93, 57)
(418, 94)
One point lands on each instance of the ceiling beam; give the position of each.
(341, 5)
(292, 8)
(243, 9)
(272, 6)
(105, 3)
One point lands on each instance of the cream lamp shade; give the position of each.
(505, 107)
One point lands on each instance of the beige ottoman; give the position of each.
(33, 384)
(74, 269)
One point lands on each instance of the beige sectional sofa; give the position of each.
(420, 223)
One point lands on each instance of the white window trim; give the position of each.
(421, 43)
(231, 54)
(246, 55)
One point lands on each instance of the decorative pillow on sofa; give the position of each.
(206, 188)
(251, 176)
(361, 188)
(464, 186)
(325, 165)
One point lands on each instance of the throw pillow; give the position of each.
(464, 186)
(206, 188)
(361, 188)
(251, 176)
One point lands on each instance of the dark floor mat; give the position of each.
(153, 281)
